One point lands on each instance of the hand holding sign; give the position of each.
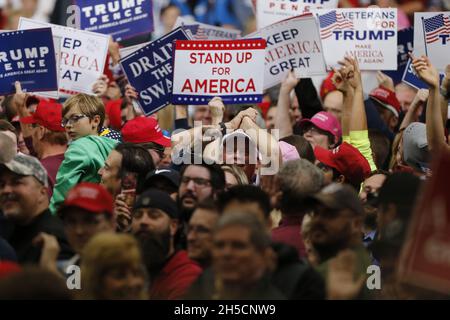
(290, 82)
(100, 86)
(130, 92)
(426, 71)
(217, 109)
(20, 97)
(350, 72)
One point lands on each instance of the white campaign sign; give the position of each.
(272, 11)
(82, 55)
(233, 70)
(202, 31)
(367, 34)
(292, 44)
(432, 37)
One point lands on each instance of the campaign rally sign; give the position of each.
(292, 44)
(410, 77)
(149, 71)
(272, 11)
(202, 31)
(123, 52)
(27, 56)
(122, 19)
(232, 70)
(405, 42)
(370, 35)
(436, 34)
(419, 39)
(425, 258)
(82, 55)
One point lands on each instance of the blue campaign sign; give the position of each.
(405, 44)
(412, 79)
(122, 19)
(27, 56)
(149, 70)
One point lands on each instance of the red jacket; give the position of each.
(289, 232)
(175, 278)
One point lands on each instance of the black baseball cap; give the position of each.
(156, 199)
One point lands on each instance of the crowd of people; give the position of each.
(293, 198)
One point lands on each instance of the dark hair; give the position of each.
(381, 147)
(400, 189)
(245, 194)
(217, 176)
(304, 148)
(9, 110)
(208, 204)
(56, 137)
(164, 9)
(7, 126)
(135, 159)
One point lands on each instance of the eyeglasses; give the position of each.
(73, 119)
(199, 182)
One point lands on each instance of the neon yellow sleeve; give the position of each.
(360, 140)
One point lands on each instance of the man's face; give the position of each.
(203, 114)
(371, 186)
(166, 161)
(113, 91)
(155, 231)
(247, 207)
(316, 136)
(235, 258)
(195, 186)
(405, 95)
(270, 118)
(333, 103)
(388, 117)
(81, 225)
(109, 173)
(199, 234)
(19, 196)
(331, 230)
(80, 125)
(294, 110)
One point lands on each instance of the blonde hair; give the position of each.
(88, 105)
(105, 252)
(237, 172)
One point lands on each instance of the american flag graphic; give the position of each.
(436, 26)
(200, 34)
(333, 21)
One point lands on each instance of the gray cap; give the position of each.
(25, 165)
(338, 196)
(415, 146)
(8, 147)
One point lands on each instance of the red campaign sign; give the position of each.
(425, 258)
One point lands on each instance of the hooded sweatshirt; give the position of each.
(82, 160)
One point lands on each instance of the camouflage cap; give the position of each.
(25, 165)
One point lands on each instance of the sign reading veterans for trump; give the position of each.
(272, 11)
(82, 55)
(27, 56)
(149, 71)
(232, 70)
(201, 31)
(436, 34)
(425, 256)
(370, 35)
(292, 44)
(404, 46)
(122, 19)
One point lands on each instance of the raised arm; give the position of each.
(282, 118)
(434, 125)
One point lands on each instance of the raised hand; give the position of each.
(385, 81)
(217, 109)
(130, 92)
(350, 72)
(426, 71)
(290, 82)
(100, 86)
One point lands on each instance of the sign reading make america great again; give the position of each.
(149, 71)
(230, 69)
(122, 19)
(370, 35)
(27, 56)
(82, 56)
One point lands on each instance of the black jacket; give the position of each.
(22, 237)
(295, 278)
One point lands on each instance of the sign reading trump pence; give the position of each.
(370, 35)
(271, 11)
(232, 70)
(29, 57)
